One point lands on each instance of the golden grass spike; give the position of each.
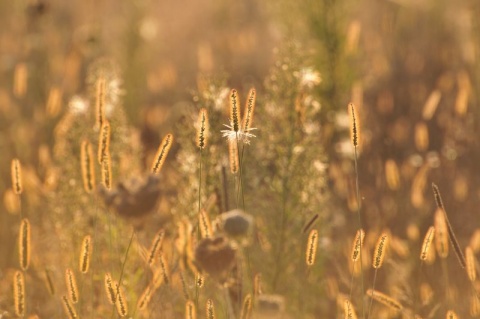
(107, 171)
(145, 298)
(100, 95)
(357, 244)
(441, 234)
(85, 254)
(162, 153)
(69, 308)
(380, 250)
(210, 309)
(24, 244)
(354, 124)
(156, 246)
(349, 310)
(20, 80)
(474, 305)
(19, 293)
(121, 305)
(384, 299)
(199, 280)
(71, 285)
(109, 288)
(88, 170)
(249, 108)
(247, 307)
(427, 242)
(233, 156)
(312, 247)
(164, 268)
(451, 315)
(184, 285)
(234, 111)
(49, 282)
(103, 141)
(190, 311)
(204, 224)
(451, 234)
(202, 129)
(16, 171)
(54, 102)
(470, 260)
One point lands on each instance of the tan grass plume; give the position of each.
(202, 129)
(247, 307)
(156, 246)
(384, 299)
(100, 97)
(354, 124)
(145, 298)
(234, 111)
(69, 308)
(441, 234)
(204, 224)
(107, 171)
(427, 242)
(471, 264)
(19, 293)
(349, 310)
(121, 304)
(103, 141)
(85, 254)
(54, 102)
(199, 280)
(71, 285)
(210, 309)
(312, 247)
(88, 170)
(357, 244)
(24, 244)
(16, 170)
(109, 288)
(380, 249)
(249, 108)
(162, 153)
(190, 311)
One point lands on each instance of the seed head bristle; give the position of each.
(16, 171)
(19, 293)
(249, 108)
(109, 288)
(380, 250)
(357, 245)
(204, 224)
(103, 141)
(354, 124)
(427, 242)
(121, 305)
(234, 111)
(69, 308)
(202, 129)
(233, 155)
(312, 247)
(384, 299)
(349, 310)
(24, 244)
(156, 246)
(470, 260)
(107, 171)
(71, 285)
(190, 311)
(247, 307)
(162, 153)
(210, 309)
(85, 254)
(100, 98)
(88, 170)
(451, 235)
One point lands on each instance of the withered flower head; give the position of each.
(236, 223)
(216, 256)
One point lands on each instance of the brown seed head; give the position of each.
(16, 171)
(19, 293)
(234, 111)
(202, 129)
(71, 285)
(427, 241)
(312, 247)
(249, 108)
(357, 245)
(88, 170)
(162, 153)
(380, 250)
(24, 244)
(85, 254)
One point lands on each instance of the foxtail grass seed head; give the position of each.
(20, 80)
(156, 246)
(210, 309)
(100, 98)
(162, 153)
(107, 171)
(234, 111)
(24, 244)
(71, 285)
(247, 307)
(120, 304)
(470, 259)
(19, 293)
(16, 171)
(380, 250)
(312, 247)
(190, 311)
(451, 315)
(249, 108)
(204, 224)
(427, 242)
(164, 268)
(109, 288)
(199, 280)
(103, 142)
(357, 245)
(85, 254)
(233, 156)
(202, 129)
(384, 299)
(88, 170)
(441, 234)
(69, 308)
(354, 124)
(349, 310)
(145, 298)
